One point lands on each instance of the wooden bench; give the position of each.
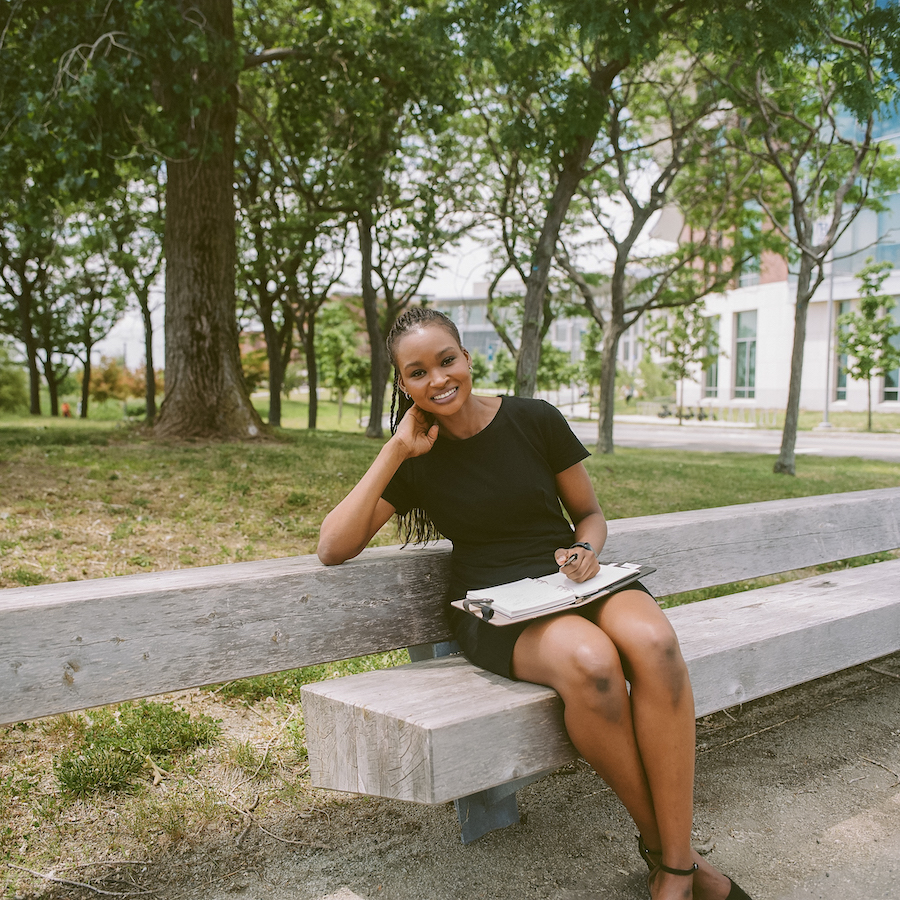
(440, 729)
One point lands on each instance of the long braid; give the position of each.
(415, 526)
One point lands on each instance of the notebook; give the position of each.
(529, 598)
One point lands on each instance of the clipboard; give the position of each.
(484, 609)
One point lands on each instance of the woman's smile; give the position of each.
(437, 398)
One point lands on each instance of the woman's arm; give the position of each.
(356, 519)
(577, 494)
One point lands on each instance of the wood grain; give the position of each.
(69, 646)
(442, 729)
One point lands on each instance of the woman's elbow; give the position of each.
(329, 554)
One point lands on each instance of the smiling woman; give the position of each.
(494, 474)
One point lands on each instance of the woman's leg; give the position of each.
(574, 657)
(662, 707)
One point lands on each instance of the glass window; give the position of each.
(711, 375)
(888, 247)
(891, 389)
(840, 380)
(745, 355)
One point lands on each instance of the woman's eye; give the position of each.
(448, 360)
(418, 373)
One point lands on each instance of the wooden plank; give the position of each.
(411, 732)
(756, 643)
(79, 644)
(706, 547)
(478, 730)
(70, 646)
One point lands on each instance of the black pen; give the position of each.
(572, 558)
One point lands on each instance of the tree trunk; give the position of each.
(869, 392)
(86, 383)
(205, 391)
(312, 371)
(786, 462)
(27, 336)
(380, 362)
(606, 404)
(150, 385)
(536, 288)
(52, 386)
(276, 372)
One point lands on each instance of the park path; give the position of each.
(640, 431)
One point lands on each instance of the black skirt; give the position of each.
(491, 646)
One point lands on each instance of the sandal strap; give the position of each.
(650, 856)
(663, 867)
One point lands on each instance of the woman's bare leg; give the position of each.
(662, 706)
(578, 660)
(614, 731)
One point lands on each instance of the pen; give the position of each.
(572, 558)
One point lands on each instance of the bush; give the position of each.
(13, 385)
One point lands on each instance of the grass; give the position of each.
(93, 499)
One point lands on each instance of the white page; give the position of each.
(607, 575)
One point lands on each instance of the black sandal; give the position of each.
(653, 858)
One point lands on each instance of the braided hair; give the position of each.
(415, 526)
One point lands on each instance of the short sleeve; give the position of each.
(562, 446)
(399, 491)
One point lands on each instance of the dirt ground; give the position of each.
(798, 798)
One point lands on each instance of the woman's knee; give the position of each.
(595, 679)
(655, 656)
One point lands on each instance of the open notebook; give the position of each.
(529, 598)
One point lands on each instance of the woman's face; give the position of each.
(434, 369)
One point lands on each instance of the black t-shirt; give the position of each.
(494, 494)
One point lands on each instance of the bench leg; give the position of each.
(480, 813)
(418, 652)
(491, 809)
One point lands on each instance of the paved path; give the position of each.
(638, 431)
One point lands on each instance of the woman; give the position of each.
(489, 473)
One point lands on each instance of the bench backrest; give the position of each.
(81, 644)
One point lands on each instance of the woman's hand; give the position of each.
(415, 433)
(577, 563)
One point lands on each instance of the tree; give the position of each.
(13, 392)
(686, 341)
(663, 135)
(136, 219)
(808, 116)
(345, 361)
(93, 300)
(557, 63)
(869, 337)
(141, 79)
(28, 235)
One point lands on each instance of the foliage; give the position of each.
(341, 348)
(109, 380)
(655, 381)
(869, 337)
(808, 116)
(13, 388)
(687, 342)
(115, 744)
(255, 367)
(555, 368)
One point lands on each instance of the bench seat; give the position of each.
(442, 729)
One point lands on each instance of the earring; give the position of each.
(407, 396)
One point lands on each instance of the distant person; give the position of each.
(492, 474)
(66, 411)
